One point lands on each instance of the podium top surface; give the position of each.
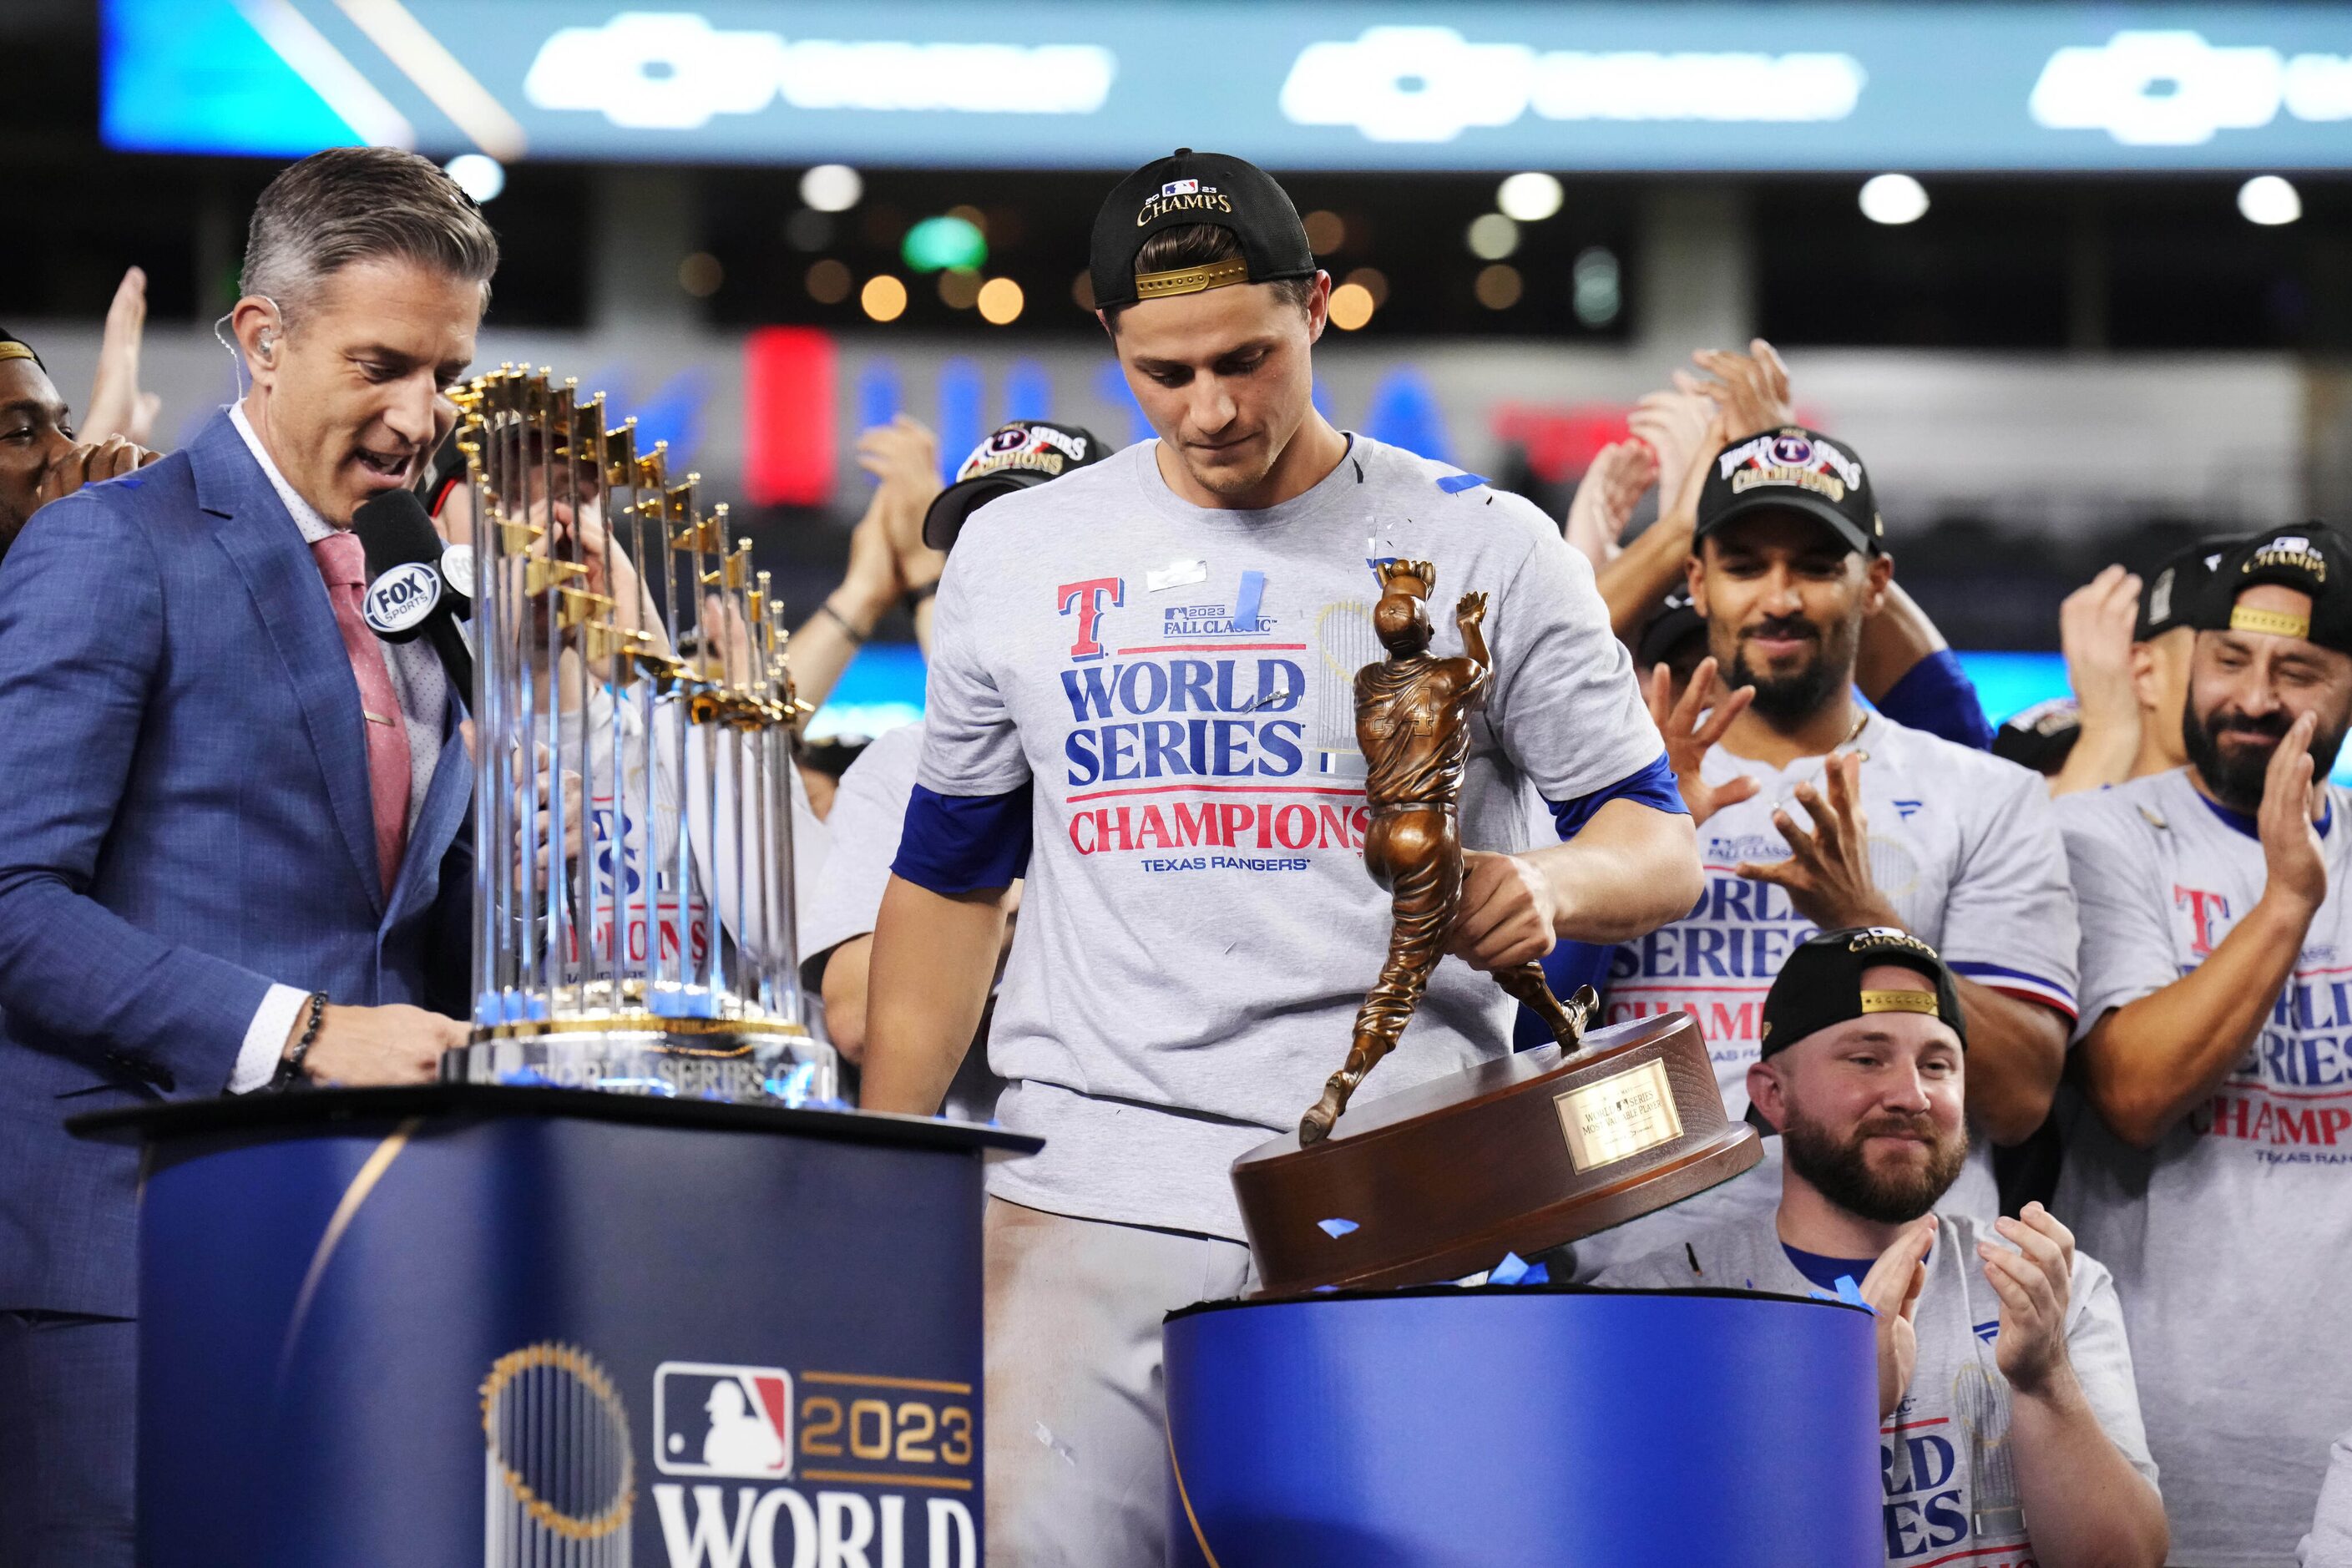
(312, 1109)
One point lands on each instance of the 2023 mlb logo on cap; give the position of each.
(713, 1418)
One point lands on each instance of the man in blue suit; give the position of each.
(233, 825)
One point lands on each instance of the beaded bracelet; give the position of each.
(289, 1071)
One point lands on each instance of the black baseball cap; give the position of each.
(1189, 187)
(1820, 985)
(2169, 596)
(2040, 737)
(1674, 619)
(1016, 455)
(2313, 559)
(1796, 469)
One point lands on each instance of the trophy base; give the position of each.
(1519, 1154)
(768, 1067)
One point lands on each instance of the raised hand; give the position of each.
(2094, 628)
(1470, 610)
(2033, 1284)
(1692, 727)
(2292, 861)
(1620, 474)
(1827, 873)
(117, 406)
(1752, 389)
(1682, 428)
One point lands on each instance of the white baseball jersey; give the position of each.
(1962, 845)
(2231, 1240)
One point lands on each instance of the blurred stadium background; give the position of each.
(2075, 278)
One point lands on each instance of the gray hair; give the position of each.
(358, 204)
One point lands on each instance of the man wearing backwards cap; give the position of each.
(1898, 827)
(1149, 664)
(40, 460)
(2213, 1171)
(2005, 1382)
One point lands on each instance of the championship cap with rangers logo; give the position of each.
(1792, 469)
(1016, 455)
(1189, 187)
(1820, 985)
(2313, 560)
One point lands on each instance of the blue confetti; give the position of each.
(1336, 1228)
(1851, 1294)
(1512, 1270)
(1455, 484)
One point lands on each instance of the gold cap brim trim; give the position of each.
(17, 350)
(2277, 623)
(1900, 1002)
(1191, 279)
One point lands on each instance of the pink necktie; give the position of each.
(343, 564)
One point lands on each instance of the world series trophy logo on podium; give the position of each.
(633, 931)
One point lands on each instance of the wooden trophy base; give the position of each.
(1513, 1155)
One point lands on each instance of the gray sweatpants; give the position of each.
(1077, 1443)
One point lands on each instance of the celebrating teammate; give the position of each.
(1127, 669)
(2211, 1173)
(2004, 1378)
(1899, 828)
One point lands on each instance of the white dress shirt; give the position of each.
(423, 687)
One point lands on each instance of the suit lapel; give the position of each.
(447, 798)
(266, 547)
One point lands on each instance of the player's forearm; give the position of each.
(1894, 640)
(1632, 583)
(1628, 871)
(2103, 753)
(823, 645)
(2017, 1049)
(933, 958)
(2148, 1064)
(2085, 1505)
(847, 970)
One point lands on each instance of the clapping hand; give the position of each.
(1620, 474)
(2033, 1284)
(1752, 389)
(1891, 1287)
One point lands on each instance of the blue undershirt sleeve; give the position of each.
(1653, 786)
(1937, 694)
(964, 842)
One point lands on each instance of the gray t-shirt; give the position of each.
(1951, 1480)
(1174, 685)
(2329, 1544)
(2231, 1240)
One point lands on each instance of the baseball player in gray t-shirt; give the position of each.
(1140, 700)
(2212, 1167)
(2010, 1431)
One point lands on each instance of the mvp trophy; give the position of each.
(1515, 1155)
(632, 825)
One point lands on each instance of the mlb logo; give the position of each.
(1791, 451)
(1180, 188)
(714, 1419)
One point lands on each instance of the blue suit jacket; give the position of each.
(185, 818)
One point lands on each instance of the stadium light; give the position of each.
(1894, 199)
(478, 175)
(1530, 198)
(2268, 200)
(832, 188)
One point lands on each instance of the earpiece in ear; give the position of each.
(267, 344)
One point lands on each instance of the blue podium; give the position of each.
(1557, 1427)
(471, 1324)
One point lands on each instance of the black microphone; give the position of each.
(409, 594)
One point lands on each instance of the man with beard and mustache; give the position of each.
(2212, 1169)
(2009, 1422)
(1897, 828)
(235, 848)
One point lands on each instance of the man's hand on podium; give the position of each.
(365, 1047)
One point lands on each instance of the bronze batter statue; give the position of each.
(1413, 720)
